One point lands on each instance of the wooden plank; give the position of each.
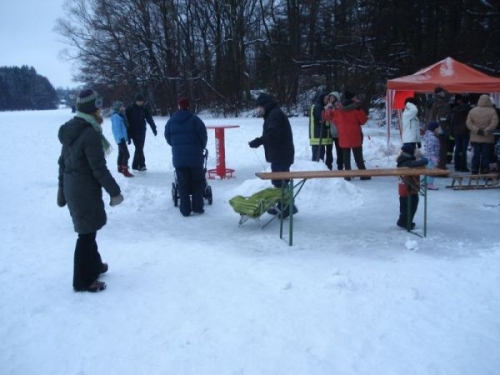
(352, 173)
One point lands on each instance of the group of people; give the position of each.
(83, 172)
(129, 125)
(457, 127)
(468, 126)
(336, 119)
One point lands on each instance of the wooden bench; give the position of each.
(303, 176)
(474, 181)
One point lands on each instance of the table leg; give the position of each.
(220, 152)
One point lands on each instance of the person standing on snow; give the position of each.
(482, 121)
(82, 176)
(349, 117)
(187, 135)
(440, 111)
(121, 137)
(137, 116)
(408, 186)
(319, 132)
(333, 100)
(411, 124)
(277, 139)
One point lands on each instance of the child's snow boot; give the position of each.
(125, 171)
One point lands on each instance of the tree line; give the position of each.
(218, 51)
(22, 88)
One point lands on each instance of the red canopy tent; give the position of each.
(449, 74)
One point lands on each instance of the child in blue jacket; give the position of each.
(120, 134)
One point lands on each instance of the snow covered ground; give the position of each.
(202, 296)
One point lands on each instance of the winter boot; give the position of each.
(125, 171)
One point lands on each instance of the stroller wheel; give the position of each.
(175, 194)
(208, 194)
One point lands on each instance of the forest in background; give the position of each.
(22, 88)
(221, 52)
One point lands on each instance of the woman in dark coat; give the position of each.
(82, 175)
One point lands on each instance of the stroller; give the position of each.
(207, 193)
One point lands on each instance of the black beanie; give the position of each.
(139, 97)
(348, 95)
(88, 101)
(409, 149)
(264, 99)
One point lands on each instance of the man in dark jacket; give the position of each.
(440, 111)
(82, 175)
(187, 135)
(460, 132)
(137, 115)
(277, 138)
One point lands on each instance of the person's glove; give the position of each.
(129, 141)
(155, 132)
(255, 143)
(480, 132)
(116, 200)
(61, 200)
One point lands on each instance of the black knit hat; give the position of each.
(409, 149)
(88, 101)
(264, 99)
(348, 95)
(139, 97)
(433, 125)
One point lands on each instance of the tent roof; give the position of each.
(449, 74)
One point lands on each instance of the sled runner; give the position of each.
(258, 204)
(476, 181)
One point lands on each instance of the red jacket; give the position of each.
(349, 122)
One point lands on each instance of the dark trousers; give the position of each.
(340, 155)
(276, 167)
(481, 157)
(403, 210)
(123, 154)
(191, 184)
(358, 158)
(460, 157)
(320, 152)
(87, 263)
(139, 160)
(444, 139)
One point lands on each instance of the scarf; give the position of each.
(106, 146)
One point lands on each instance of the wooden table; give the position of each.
(303, 176)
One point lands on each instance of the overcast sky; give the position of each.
(27, 38)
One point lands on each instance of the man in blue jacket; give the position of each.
(187, 135)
